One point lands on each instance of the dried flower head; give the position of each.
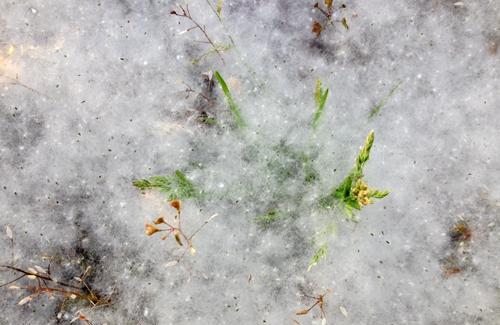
(151, 230)
(159, 220)
(176, 204)
(317, 28)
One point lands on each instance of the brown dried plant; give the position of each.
(327, 17)
(40, 281)
(82, 318)
(459, 257)
(174, 229)
(319, 302)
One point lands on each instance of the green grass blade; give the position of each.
(320, 97)
(318, 256)
(232, 105)
(376, 109)
(364, 153)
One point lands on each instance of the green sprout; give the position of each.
(322, 239)
(230, 101)
(353, 192)
(318, 256)
(376, 109)
(176, 187)
(320, 97)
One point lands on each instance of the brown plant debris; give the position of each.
(459, 256)
(37, 281)
(41, 282)
(326, 12)
(319, 303)
(175, 229)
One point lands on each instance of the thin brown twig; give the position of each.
(39, 276)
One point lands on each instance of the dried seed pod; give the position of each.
(8, 231)
(343, 311)
(302, 312)
(40, 269)
(25, 300)
(177, 236)
(171, 263)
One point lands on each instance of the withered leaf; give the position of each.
(317, 28)
(329, 3)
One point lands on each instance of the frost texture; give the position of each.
(94, 95)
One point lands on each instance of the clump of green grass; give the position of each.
(267, 219)
(176, 187)
(353, 194)
(320, 97)
(291, 169)
(290, 162)
(235, 111)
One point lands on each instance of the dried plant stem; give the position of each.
(320, 301)
(38, 276)
(58, 287)
(185, 13)
(203, 225)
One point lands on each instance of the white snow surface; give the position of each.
(93, 95)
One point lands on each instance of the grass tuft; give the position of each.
(177, 186)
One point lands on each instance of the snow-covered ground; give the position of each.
(95, 94)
